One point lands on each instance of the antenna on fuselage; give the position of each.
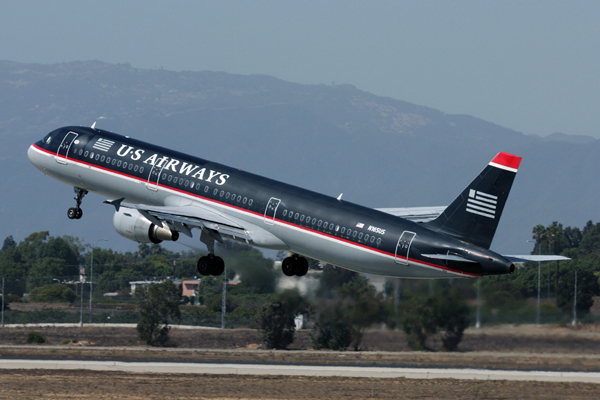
(94, 125)
(340, 197)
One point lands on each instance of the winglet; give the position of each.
(506, 161)
(116, 203)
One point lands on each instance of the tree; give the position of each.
(9, 243)
(158, 305)
(276, 319)
(424, 316)
(587, 288)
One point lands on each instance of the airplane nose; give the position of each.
(31, 154)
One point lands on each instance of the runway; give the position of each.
(302, 370)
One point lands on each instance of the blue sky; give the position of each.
(533, 66)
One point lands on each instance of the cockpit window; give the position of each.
(47, 139)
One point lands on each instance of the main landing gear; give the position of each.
(210, 264)
(77, 212)
(294, 265)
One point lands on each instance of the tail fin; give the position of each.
(475, 213)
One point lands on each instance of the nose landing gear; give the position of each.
(77, 212)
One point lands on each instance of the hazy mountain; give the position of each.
(378, 151)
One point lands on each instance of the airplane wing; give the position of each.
(415, 214)
(185, 218)
(531, 257)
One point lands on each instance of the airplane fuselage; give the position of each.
(275, 215)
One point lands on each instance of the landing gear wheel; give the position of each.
(204, 266)
(218, 266)
(78, 213)
(72, 213)
(288, 266)
(301, 266)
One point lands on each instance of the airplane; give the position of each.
(159, 194)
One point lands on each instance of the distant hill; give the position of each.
(378, 151)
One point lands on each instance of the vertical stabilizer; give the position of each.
(475, 213)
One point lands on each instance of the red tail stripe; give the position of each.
(507, 160)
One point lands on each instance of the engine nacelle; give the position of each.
(132, 225)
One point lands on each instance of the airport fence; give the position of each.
(45, 300)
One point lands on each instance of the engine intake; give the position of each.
(132, 225)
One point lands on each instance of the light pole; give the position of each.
(537, 312)
(92, 276)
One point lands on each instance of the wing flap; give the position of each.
(531, 257)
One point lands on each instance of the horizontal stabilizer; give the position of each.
(528, 257)
(448, 257)
(415, 214)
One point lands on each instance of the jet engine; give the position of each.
(132, 225)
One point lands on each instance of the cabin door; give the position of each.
(271, 210)
(65, 146)
(403, 247)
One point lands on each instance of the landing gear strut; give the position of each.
(294, 265)
(77, 212)
(210, 264)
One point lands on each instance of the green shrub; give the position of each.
(35, 337)
(53, 294)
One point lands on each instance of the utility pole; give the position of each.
(92, 277)
(478, 323)
(3, 301)
(575, 302)
(224, 299)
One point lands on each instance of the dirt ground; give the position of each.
(20, 384)
(509, 347)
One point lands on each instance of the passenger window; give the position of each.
(378, 241)
(80, 151)
(102, 158)
(222, 193)
(141, 170)
(114, 161)
(215, 192)
(360, 236)
(331, 226)
(86, 154)
(372, 239)
(187, 183)
(284, 213)
(181, 181)
(164, 177)
(239, 198)
(92, 155)
(227, 195)
(302, 218)
(119, 163)
(250, 202)
(320, 223)
(108, 160)
(337, 228)
(136, 168)
(170, 178)
(245, 200)
(366, 238)
(206, 188)
(97, 157)
(124, 165)
(192, 185)
(314, 221)
(296, 216)
(354, 233)
(343, 230)
(130, 166)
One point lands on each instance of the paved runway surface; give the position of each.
(303, 370)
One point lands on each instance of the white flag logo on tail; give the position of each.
(103, 144)
(360, 225)
(481, 203)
